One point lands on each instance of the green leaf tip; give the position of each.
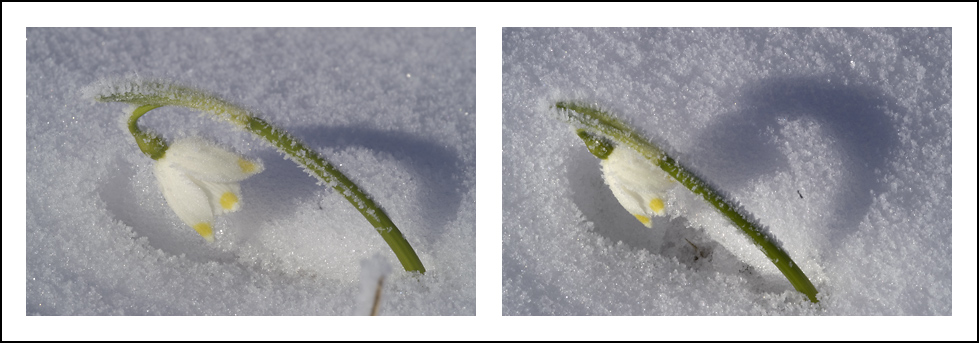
(149, 143)
(599, 146)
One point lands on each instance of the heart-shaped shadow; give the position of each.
(738, 148)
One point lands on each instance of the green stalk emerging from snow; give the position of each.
(601, 132)
(148, 95)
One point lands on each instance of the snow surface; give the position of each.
(51, 91)
(394, 109)
(837, 140)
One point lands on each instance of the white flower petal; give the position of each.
(200, 181)
(206, 161)
(185, 197)
(636, 183)
(223, 197)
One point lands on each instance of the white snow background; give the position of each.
(392, 108)
(837, 140)
(489, 20)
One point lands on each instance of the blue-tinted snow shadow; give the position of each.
(854, 116)
(737, 149)
(597, 204)
(669, 237)
(125, 205)
(437, 167)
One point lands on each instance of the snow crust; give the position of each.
(394, 109)
(837, 140)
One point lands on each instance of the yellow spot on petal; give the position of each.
(643, 219)
(246, 165)
(228, 200)
(657, 205)
(204, 229)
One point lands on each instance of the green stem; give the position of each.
(151, 95)
(603, 123)
(151, 144)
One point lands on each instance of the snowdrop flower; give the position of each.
(200, 180)
(639, 185)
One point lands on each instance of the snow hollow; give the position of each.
(394, 109)
(836, 140)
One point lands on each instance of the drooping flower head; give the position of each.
(200, 180)
(639, 185)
